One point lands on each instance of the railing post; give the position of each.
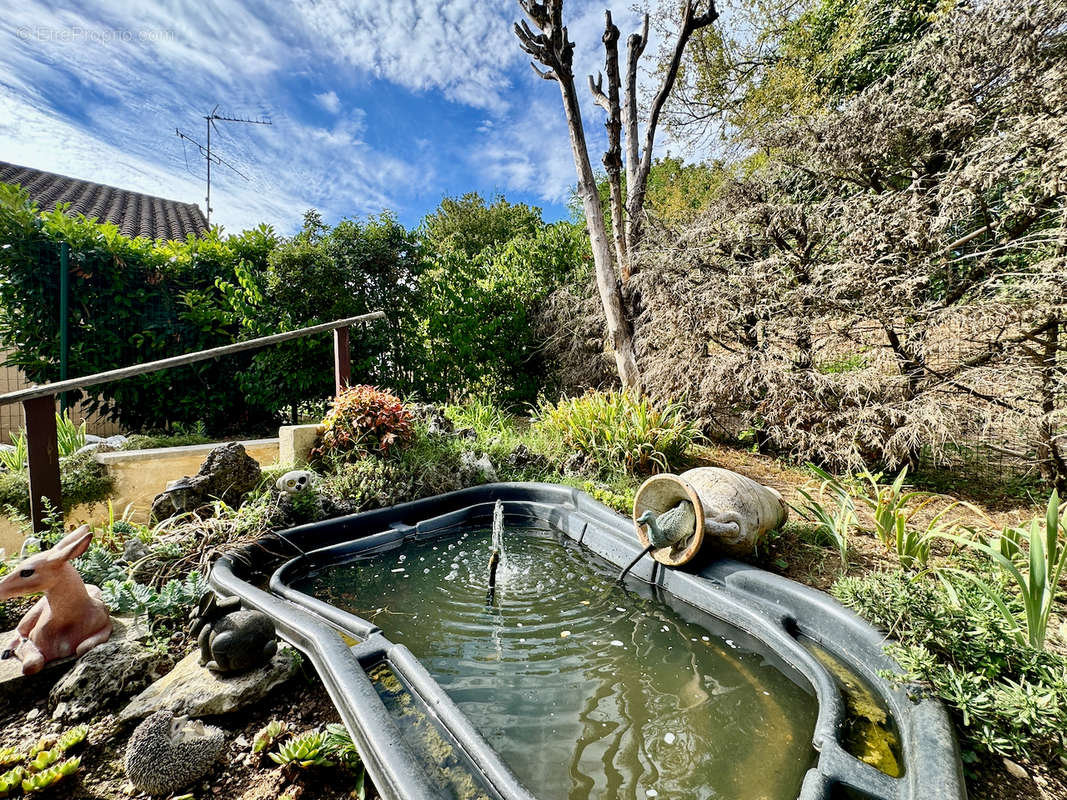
(43, 450)
(342, 360)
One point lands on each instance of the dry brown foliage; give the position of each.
(895, 277)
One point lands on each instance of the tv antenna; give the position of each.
(215, 158)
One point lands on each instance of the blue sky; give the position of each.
(376, 104)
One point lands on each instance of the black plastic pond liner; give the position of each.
(781, 614)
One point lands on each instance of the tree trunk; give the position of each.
(552, 49)
(613, 155)
(619, 330)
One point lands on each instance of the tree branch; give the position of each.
(596, 88)
(613, 155)
(637, 179)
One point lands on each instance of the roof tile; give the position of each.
(134, 213)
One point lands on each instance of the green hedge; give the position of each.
(131, 301)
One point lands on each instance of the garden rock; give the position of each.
(134, 550)
(110, 672)
(98, 444)
(436, 422)
(477, 466)
(522, 456)
(576, 464)
(167, 753)
(228, 474)
(191, 690)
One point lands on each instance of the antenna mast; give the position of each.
(210, 157)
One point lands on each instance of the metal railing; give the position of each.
(39, 402)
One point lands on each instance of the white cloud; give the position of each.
(97, 90)
(458, 47)
(329, 101)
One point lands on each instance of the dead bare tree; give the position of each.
(552, 49)
(627, 217)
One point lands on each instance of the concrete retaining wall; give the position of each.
(139, 476)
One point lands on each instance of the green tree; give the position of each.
(783, 59)
(477, 311)
(469, 225)
(320, 275)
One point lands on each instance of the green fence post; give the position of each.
(64, 323)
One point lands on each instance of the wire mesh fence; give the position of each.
(12, 419)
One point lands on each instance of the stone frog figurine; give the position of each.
(232, 639)
(69, 620)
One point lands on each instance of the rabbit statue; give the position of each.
(69, 620)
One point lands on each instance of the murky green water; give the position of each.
(585, 689)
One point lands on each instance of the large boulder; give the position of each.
(228, 474)
(109, 673)
(194, 691)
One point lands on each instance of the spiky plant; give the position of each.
(304, 751)
(73, 738)
(11, 780)
(51, 776)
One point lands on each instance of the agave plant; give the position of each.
(304, 751)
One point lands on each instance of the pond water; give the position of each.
(585, 688)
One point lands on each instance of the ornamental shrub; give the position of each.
(617, 430)
(1008, 698)
(363, 419)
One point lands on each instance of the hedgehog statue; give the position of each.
(166, 752)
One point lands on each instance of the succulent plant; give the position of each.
(9, 755)
(307, 750)
(73, 738)
(44, 743)
(11, 780)
(44, 759)
(268, 735)
(50, 776)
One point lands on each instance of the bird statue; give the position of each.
(670, 527)
(666, 529)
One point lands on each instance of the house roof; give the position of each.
(134, 213)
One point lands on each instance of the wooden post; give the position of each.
(43, 450)
(342, 361)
